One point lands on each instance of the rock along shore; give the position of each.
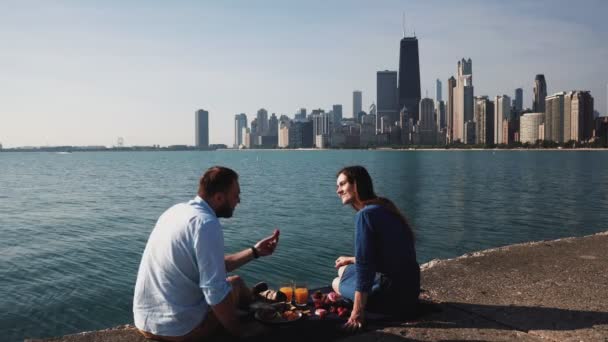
(539, 291)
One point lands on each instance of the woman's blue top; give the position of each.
(383, 245)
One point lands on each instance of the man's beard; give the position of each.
(224, 211)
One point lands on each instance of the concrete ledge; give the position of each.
(541, 291)
(548, 290)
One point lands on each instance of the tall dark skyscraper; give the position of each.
(409, 76)
(540, 93)
(201, 128)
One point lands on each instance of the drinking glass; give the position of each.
(301, 293)
(287, 289)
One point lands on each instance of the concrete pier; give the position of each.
(540, 291)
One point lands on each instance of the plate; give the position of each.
(277, 317)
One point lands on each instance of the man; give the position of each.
(182, 292)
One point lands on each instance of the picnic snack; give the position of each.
(342, 311)
(321, 313)
(277, 313)
(333, 297)
(290, 315)
(330, 303)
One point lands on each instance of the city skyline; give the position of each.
(75, 74)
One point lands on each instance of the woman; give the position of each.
(384, 275)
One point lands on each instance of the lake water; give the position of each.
(73, 226)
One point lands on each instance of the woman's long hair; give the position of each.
(364, 193)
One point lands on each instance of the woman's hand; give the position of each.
(344, 260)
(355, 323)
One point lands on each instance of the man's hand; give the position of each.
(267, 246)
(344, 260)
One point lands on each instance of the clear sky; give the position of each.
(88, 72)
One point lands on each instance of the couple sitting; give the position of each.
(183, 292)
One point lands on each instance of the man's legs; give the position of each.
(206, 328)
(240, 296)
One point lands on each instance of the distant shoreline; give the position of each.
(438, 149)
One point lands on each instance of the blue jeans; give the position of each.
(385, 296)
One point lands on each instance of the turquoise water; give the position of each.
(73, 226)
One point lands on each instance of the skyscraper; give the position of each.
(502, 109)
(321, 127)
(409, 76)
(301, 114)
(337, 110)
(262, 117)
(357, 103)
(387, 97)
(540, 93)
(273, 125)
(463, 99)
(528, 127)
(240, 122)
(484, 119)
(519, 100)
(440, 114)
(450, 110)
(554, 117)
(427, 123)
(201, 124)
(438, 90)
(578, 116)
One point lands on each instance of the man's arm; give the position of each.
(264, 247)
(236, 260)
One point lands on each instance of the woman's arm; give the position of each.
(344, 260)
(357, 316)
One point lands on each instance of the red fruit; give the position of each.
(321, 313)
(333, 297)
(332, 309)
(318, 305)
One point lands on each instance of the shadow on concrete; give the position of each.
(522, 318)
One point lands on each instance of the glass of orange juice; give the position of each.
(287, 289)
(301, 293)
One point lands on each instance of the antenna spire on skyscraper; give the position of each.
(403, 24)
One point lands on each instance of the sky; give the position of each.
(88, 72)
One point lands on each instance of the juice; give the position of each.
(301, 295)
(288, 291)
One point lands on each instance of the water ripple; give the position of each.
(73, 229)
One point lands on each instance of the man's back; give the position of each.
(182, 270)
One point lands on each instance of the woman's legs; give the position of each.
(335, 284)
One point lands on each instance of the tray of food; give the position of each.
(278, 313)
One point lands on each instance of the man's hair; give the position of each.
(216, 179)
